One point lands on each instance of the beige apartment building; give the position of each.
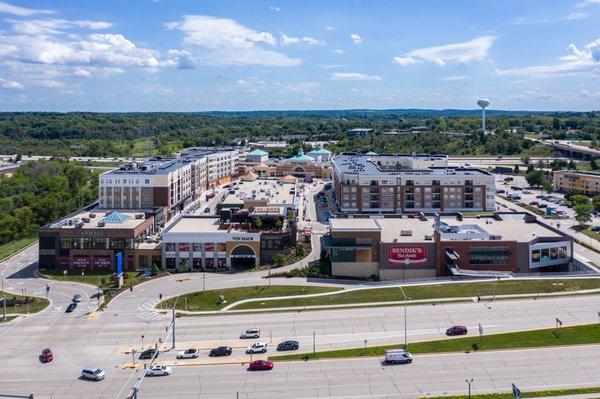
(576, 181)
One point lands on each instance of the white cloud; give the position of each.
(454, 78)
(52, 26)
(21, 11)
(544, 20)
(357, 39)
(464, 52)
(289, 40)
(353, 76)
(584, 61)
(405, 60)
(576, 15)
(222, 41)
(585, 3)
(329, 28)
(10, 84)
(275, 8)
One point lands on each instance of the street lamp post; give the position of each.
(469, 382)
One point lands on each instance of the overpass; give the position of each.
(570, 150)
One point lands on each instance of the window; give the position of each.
(489, 256)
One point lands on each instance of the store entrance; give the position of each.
(243, 257)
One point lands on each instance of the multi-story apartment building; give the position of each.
(166, 182)
(576, 181)
(396, 183)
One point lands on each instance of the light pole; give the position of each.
(469, 382)
(405, 328)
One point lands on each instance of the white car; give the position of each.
(158, 370)
(250, 333)
(188, 354)
(93, 373)
(258, 347)
(397, 356)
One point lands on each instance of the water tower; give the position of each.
(483, 103)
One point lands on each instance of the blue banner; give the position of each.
(119, 263)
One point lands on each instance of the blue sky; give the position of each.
(176, 55)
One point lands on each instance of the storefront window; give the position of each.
(221, 247)
(170, 262)
(170, 247)
(121, 243)
(197, 247)
(184, 247)
(489, 256)
(65, 243)
(209, 247)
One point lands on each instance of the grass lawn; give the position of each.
(576, 335)
(392, 294)
(531, 394)
(93, 277)
(209, 300)
(17, 304)
(12, 247)
(473, 214)
(8, 318)
(588, 232)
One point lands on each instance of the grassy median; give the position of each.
(576, 335)
(22, 304)
(102, 278)
(10, 248)
(209, 300)
(432, 291)
(531, 394)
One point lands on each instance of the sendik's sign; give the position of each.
(407, 254)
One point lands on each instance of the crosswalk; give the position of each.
(146, 311)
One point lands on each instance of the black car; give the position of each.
(71, 307)
(148, 354)
(288, 346)
(220, 351)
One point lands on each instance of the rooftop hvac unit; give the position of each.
(86, 220)
(101, 223)
(495, 237)
(139, 215)
(79, 225)
(406, 233)
(428, 238)
(92, 215)
(107, 213)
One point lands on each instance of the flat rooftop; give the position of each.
(368, 165)
(102, 219)
(270, 190)
(512, 227)
(195, 225)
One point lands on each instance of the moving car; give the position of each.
(260, 365)
(46, 356)
(290, 345)
(188, 354)
(250, 333)
(77, 298)
(93, 373)
(71, 307)
(220, 351)
(456, 330)
(257, 347)
(158, 370)
(397, 356)
(148, 354)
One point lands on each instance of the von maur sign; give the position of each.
(407, 254)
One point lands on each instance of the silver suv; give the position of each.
(93, 373)
(250, 333)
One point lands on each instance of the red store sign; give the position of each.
(407, 254)
(81, 261)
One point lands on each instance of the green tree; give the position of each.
(516, 170)
(583, 213)
(525, 159)
(572, 165)
(596, 203)
(579, 199)
(279, 259)
(300, 251)
(257, 222)
(155, 269)
(535, 178)
(547, 186)
(593, 164)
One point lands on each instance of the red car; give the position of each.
(46, 356)
(456, 330)
(260, 365)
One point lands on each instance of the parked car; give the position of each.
(250, 333)
(456, 330)
(397, 356)
(46, 356)
(158, 370)
(596, 228)
(260, 365)
(77, 298)
(534, 203)
(288, 346)
(207, 210)
(542, 206)
(540, 196)
(220, 351)
(526, 192)
(149, 354)
(562, 215)
(257, 347)
(93, 373)
(516, 188)
(500, 191)
(71, 307)
(188, 354)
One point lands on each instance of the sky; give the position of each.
(185, 56)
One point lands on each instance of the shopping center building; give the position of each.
(94, 238)
(397, 247)
(398, 183)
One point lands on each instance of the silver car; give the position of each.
(93, 373)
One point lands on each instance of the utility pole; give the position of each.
(203, 282)
(3, 308)
(173, 327)
(405, 319)
(314, 343)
